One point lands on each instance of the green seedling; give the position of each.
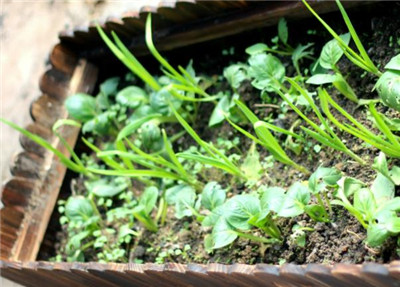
(235, 218)
(215, 158)
(330, 55)
(146, 204)
(375, 207)
(265, 137)
(325, 134)
(282, 48)
(388, 85)
(360, 59)
(390, 146)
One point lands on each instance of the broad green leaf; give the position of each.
(395, 175)
(350, 185)
(219, 112)
(316, 212)
(297, 197)
(100, 124)
(235, 75)
(383, 189)
(212, 218)
(380, 164)
(183, 197)
(132, 97)
(321, 79)
(107, 187)
(149, 198)
(251, 166)
(267, 71)
(271, 200)
(81, 107)
(321, 177)
(332, 52)
(240, 209)
(376, 234)
(394, 63)
(208, 243)
(365, 203)
(109, 87)
(391, 205)
(78, 208)
(283, 30)
(257, 49)
(301, 51)
(213, 195)
(223, 234)
(388, 87)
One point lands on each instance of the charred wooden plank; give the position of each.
(378, 275)
(17, 191)
(28, 165)
(350, 274)
(31, 146)
(55, 83)
(63, 59)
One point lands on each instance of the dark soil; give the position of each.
(342, 240)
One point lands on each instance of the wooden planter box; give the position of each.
(77, 62)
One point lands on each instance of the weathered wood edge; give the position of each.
(29, 196)
(172, 274)
(182, 23)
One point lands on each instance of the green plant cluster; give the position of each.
(148, 157)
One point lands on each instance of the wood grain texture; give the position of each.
(171, 274)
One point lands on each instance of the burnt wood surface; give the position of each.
(172, 274)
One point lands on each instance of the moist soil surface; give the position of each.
(341, 240)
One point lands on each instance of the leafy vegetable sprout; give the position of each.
(361, 59)
(376, 207)
(265, 137)
(390, 146)
(330, 55)
(325, 134)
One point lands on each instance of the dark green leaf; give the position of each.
(283, 30)
(81, 107)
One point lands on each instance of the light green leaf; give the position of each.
(394, 63)
(332, 52)
(78, 208)
(223, 234)
(321, 79)
(383, 189)
(271, 200)
(219, 112)
(107, 187)
(213, 195)
(251, 166)
(235, 75)
(257, 49)
(212, 218)
(240, 209)
(132, 97)
(388, 87)
(376, 234)
(365, 203)
(316, 212)
(395, 175)
(149, 198)
(184, 197)
(267, 72)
